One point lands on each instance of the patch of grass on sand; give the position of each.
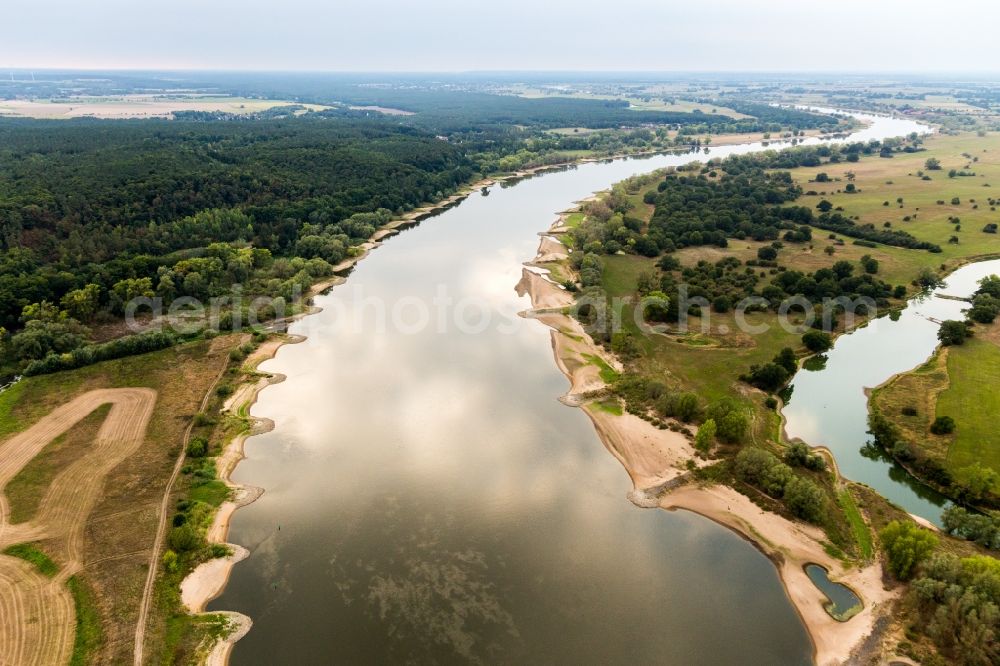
(213, 492)
(608, 374)
(29, 552)
(89, 633)
(862, 534)
(609, 406)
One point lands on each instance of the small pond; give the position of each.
(844, 604)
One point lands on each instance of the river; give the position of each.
(427, 498)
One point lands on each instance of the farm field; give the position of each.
(81, 486)
(135, 106)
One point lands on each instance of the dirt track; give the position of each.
(37, 613)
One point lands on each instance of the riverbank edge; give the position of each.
(790, 546)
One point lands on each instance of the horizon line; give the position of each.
(239, 70)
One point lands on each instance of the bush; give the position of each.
(953, 332)
(804, 499)
(817, 341)
(905, 546)
(184, 538)
(170, 561)
(705, 437)
(767, 377)
(799, 455)
(721, 304)
(203, 419)
(129, 345)
(767, 253)
(197, 447)
(943, 425)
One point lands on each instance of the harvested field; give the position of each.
(38, 612)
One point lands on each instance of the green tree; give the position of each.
(943, 425)
(817, 341)
(953, 332)
(82, 304)
(184, 538)
(687, 407)
(39, 338)
(932, 164)
(906, 546)
(752, 463)
(976, 481)
(733, 427)
(786, 358)
(125, 290)
(804, 499)
(705, 437)
(767, 377)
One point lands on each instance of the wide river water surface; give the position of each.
(427, 498)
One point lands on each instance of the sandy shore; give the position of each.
(656, 460)
(209, 579)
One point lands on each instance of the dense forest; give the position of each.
(96, 213)
(93, 213)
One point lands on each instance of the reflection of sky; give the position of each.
(434, 499)
(829, 407)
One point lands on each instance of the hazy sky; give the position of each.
(447, 35)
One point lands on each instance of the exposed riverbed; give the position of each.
(427, 498)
